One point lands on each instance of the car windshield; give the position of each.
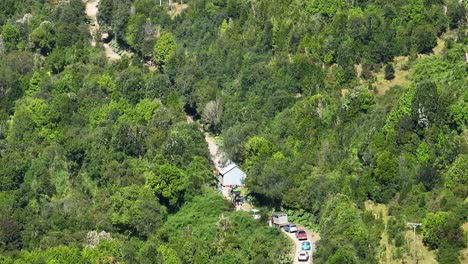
(305, 243)
(292, 225)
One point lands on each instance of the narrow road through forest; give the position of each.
(91, 12)
(312, 237)
(215, 154)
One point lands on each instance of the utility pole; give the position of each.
(414, 226)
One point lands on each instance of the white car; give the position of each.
(303, 256)
(290, 228)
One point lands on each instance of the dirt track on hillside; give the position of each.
(91, 12)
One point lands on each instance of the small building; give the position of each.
(232, 175)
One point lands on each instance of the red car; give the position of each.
(301, 234)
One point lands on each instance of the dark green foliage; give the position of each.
(448, 254)
(427, 109)
(10, 235)
(389, 72)
(424, 38)
(130, 85)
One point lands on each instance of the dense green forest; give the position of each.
(326, 104)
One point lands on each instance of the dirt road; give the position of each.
(312, 237)
(215, 153)
(91, 12)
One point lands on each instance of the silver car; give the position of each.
(290, 228)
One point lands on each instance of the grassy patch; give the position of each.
(389, 251)
(401, 76)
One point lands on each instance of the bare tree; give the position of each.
(212, 114)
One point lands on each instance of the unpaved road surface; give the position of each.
(215, 153)
(312, 237)
(91, 12)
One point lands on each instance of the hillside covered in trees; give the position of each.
(328, 105)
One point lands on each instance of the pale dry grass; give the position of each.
(401, 76)
(464, 253)
(386, 255)
(177, 9)
(424, 255)
(380, 211)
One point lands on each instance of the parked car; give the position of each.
(301, 234)
(290, 228)
(255, 214)
(305, 245)
(303, 256)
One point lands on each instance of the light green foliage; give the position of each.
(203, 232)
(169, 184)
(458, 115)
(133, 27)
(10, 35)
(457, 174)
(142, 112)
(68, 83)
(88, 143)
(136, 209)
(423, 153)
(43, 37)
(342, 256)
(402, 108)
(312, 114)
(169, 255)
(63, 255)
(223, 28)
(441, 227)
(415, 10)
(111, 111)
(31, 112)
(107, 82)
(274, 34)
(257, 148)
(105, 252)
(164, 48)
(34, 84)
